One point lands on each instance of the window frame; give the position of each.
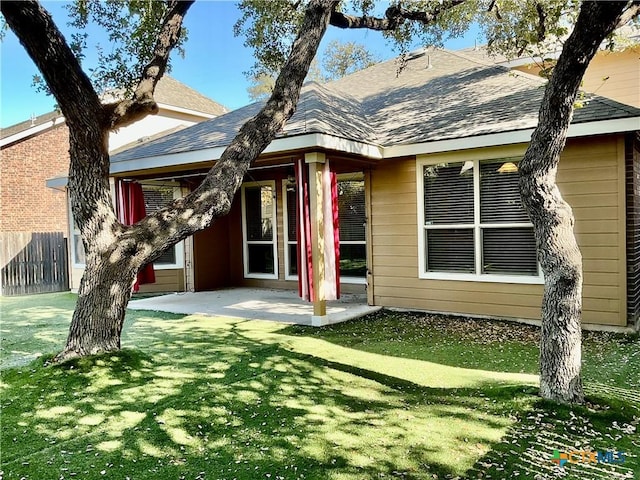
(73, 232)
(274, 240)
(477, 226)
(287, 242)
(285, 222)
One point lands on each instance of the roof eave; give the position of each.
(29, 132)
(186, 111)
(576, 130)
(284, 144)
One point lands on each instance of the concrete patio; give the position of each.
(257, 304)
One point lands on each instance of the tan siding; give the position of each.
(622, 70)
(589, 177)
(166, 281)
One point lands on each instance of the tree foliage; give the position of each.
(344, 58)
(130, 28)
(338, 59)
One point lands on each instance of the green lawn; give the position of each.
(389, 396)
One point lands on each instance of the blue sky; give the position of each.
(214, 63)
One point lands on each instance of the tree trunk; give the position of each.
(98, 318)
(552, 218)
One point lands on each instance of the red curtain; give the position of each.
(331, 234)
(130, 207)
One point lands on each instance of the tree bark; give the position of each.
(105, 290)
(552, 217)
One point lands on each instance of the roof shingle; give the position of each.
(438, 95)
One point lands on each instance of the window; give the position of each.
(155, 198)
(473, 225)
(352, 220)
(290, 227)
(77, 248)
(259, 234)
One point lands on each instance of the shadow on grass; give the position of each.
(211, 400)
(223, 398)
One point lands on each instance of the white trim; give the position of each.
(473, 277)
(298, 142)
(285, 224)
(509, 138)
(32, 131)
(353, 280)
(188, 111)
(476, 226)
(274, 228)
(72, 241)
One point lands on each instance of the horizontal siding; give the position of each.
(166, 281)
(632, 173)
(588, 177)
(623, 72)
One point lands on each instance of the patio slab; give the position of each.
(255, 304)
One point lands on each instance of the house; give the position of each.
(37, 150)
(429, 215)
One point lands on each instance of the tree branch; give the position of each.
(542, 26)
(129, 111)
(49, 50)
(213, 197)
(394, 17)
(629, 14)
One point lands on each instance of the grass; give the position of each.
(389, 396)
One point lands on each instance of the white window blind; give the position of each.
(352, 221)
(474, 222)
(155, 198)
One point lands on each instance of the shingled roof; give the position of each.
(169, 91)
(172, 92)
(438, 95)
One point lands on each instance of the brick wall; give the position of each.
(26, 203)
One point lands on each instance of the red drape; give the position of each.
(331, 234)
(130, 207)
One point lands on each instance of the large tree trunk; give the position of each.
(98, 318)
(552, 218)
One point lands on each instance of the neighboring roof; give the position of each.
(172, 92)
(44, 121)
(439, 95)
(169, 91)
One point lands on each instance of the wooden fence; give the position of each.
(33, 263)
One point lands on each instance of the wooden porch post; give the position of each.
(315, 160)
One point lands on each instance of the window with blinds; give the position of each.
(155, 198)
(474, 221)
(352, 219)
(291, 230)
(352, 224)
